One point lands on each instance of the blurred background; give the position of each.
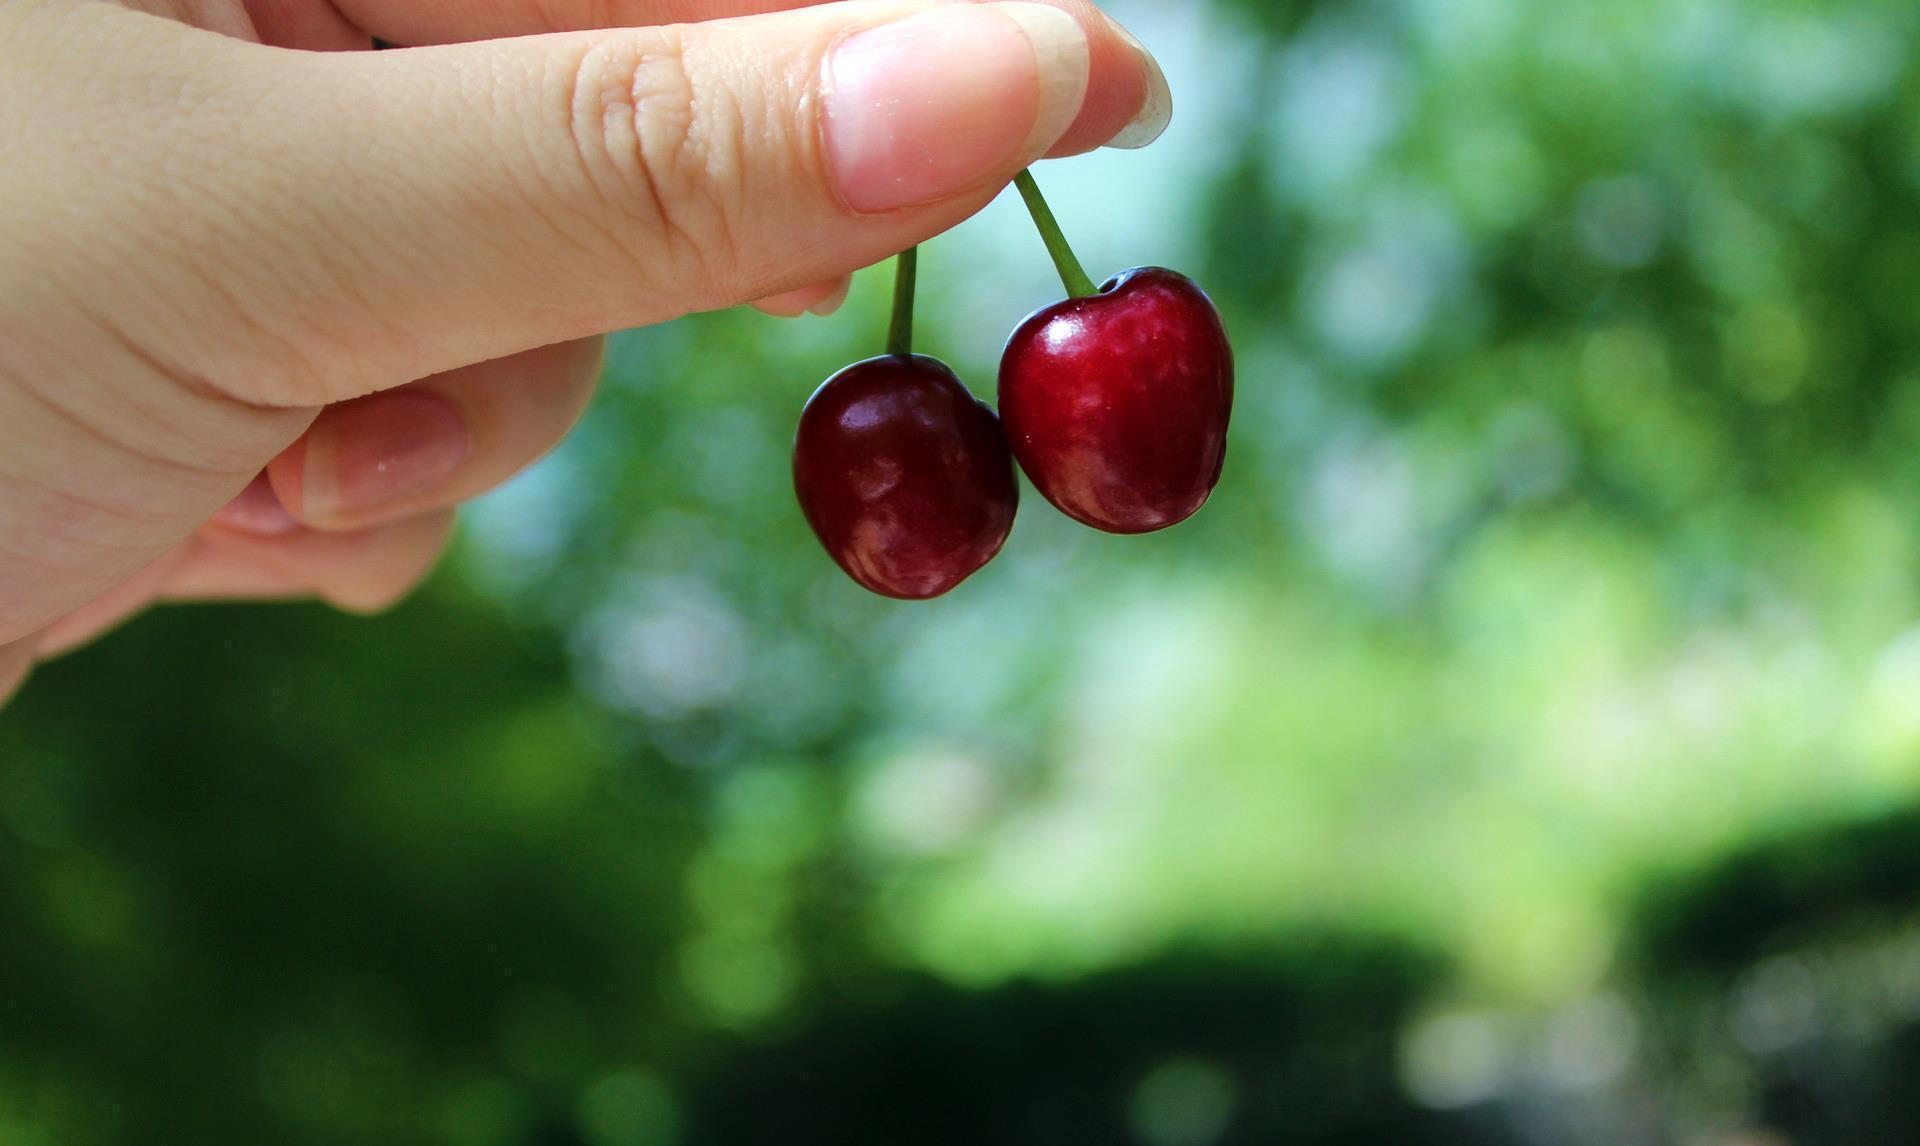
(1524, 747)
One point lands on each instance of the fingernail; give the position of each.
(377, 452)
(928, 107)
(257, 510)
(1156, 113)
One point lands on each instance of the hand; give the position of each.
(233, 242)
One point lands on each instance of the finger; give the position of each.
(820, 299)
(362, 571)
(107, 612)
(1131, 111)
(226, 568)
(16, 661)
(459, 21)
(257, 510)
(437, 442)
(310, 25)
(414, 211)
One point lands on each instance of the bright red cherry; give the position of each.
(905, 476)
(1117, 404)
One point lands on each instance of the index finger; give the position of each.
(1128, 105)
(408, 22)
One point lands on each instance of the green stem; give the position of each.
(1072, 275)
(906, 278)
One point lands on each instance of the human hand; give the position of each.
(270, 306)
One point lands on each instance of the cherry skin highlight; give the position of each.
(1117, 405)
(905, 476)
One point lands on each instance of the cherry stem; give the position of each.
(1073, 276)
(906, 279)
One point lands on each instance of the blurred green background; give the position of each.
(1523, 748)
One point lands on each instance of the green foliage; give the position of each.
(1565, 551)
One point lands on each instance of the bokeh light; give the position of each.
(1523, 748)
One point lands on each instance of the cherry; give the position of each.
(903, 474)
(1117, 400)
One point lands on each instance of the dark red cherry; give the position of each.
(904, 476)
(1117, 405)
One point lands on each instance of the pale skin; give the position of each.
(273, 304)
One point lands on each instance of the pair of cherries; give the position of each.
(1115, 402)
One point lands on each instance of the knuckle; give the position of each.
(163, 263)
(661, 150)
(131, 402)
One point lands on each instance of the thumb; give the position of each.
(479, 199)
